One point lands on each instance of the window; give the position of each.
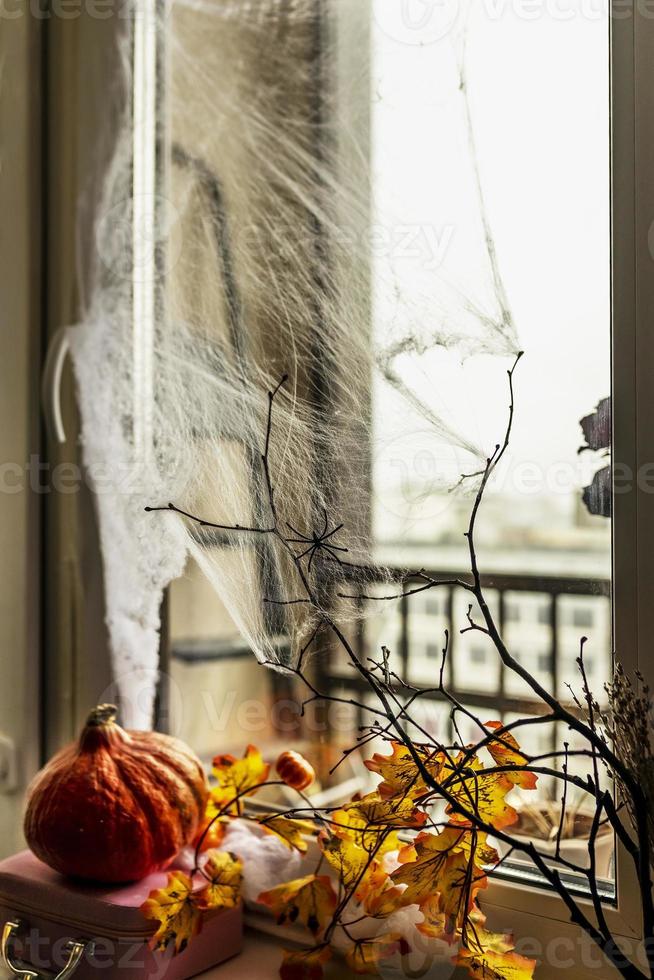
(548, 559)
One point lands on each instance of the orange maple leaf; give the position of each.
(380, 897)
(399, 772)
(506, 752)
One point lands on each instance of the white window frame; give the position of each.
(527, 910)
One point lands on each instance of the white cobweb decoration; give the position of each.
(260, 270)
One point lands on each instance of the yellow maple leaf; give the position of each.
(350, 861)
(236, 778)
(381, 813)
(293, 833)
(399, 772)
(480, 792)
(366, 954)
(478, 939)
(304, 964)
(310, 900)
(492, 965)
(175, 909)
(506, 752)
(456, 837)
(460, 881)
(223, 889)
(352, 823)
(443, 865)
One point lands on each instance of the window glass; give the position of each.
(538, 143)
(489, 227)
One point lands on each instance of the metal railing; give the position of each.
(498, 700)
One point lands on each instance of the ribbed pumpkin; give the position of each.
(115, 805)
(294, 769)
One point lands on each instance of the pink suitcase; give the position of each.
(51, 925)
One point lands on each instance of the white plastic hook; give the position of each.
(58, 348)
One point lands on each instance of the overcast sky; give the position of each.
(539, 89)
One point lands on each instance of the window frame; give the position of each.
(527, 910)
(21, 281)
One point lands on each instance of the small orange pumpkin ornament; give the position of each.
(294, 769)
(115, 805)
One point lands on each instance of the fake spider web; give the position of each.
(263, 271)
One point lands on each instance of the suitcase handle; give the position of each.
(75, 953)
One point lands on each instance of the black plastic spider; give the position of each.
(316, 541)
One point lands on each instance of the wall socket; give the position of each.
(9, 774)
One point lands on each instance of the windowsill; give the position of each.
(261, 959)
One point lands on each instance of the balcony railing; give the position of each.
(492, 695)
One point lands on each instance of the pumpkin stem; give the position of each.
(101, 730)
(104, 714)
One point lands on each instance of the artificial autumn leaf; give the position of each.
(175, 909)
(479, 792)
(380, 813)
(460, 881)
(366, 954)
(399, 772)
(443, 865)
(407, 852)
(223, 889)
(506, 752)
(237, 778)
(433, 924)
(310, 900)
(352, 823)
(459, 837)
(304, 964)
(492, 965)
(293, 833)
(351, 862)
(479, 939)
(380, 897)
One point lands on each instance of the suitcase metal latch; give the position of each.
(75, 952)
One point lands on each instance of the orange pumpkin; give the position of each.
(294, 769)
(116, 805)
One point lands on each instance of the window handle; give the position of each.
(58, 348)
